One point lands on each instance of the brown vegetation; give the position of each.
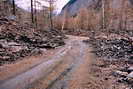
(91, 19)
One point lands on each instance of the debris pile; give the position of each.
(113, 47)
(116, 48)
(18, 41)
(125, 75)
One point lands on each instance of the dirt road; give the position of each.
(67, 69)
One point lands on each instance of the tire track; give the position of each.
(53, 74)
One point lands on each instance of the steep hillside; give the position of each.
(73, 6)
(20, 38)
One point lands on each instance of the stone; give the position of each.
(20, 40)
(120, 73)
(129, 80)
(130, 75)
(113, 48)
(130, 69)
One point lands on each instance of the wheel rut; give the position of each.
(60, 72)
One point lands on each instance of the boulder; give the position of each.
(130, 75)
(120, 74)
(20, 40)
(130, 69)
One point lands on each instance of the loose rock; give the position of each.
(120, 74)
(130, 69)
(18, 41)
(130, 75)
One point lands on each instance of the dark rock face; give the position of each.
(73, 6)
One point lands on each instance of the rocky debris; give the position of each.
(120, 73)
(112, 75)
(130, 69)
(130, 75)
(117, 47)
(18, 41)
(125, 75)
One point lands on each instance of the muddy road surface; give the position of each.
(67, 69)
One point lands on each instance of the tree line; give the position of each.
(34, 9)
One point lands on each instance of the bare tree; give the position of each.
(51, 8)
(35, 12)
(103, 14)
(14, 7)
(121, 15)
(64, 20)
(32, 12)
(125, 15)
(50, 13)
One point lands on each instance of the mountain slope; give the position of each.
(73, 6)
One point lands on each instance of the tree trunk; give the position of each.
(32, 14)
(35, 14)
(103, 14)
(50, 15)
(121, 15)
(64, 21)
(14, 8)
